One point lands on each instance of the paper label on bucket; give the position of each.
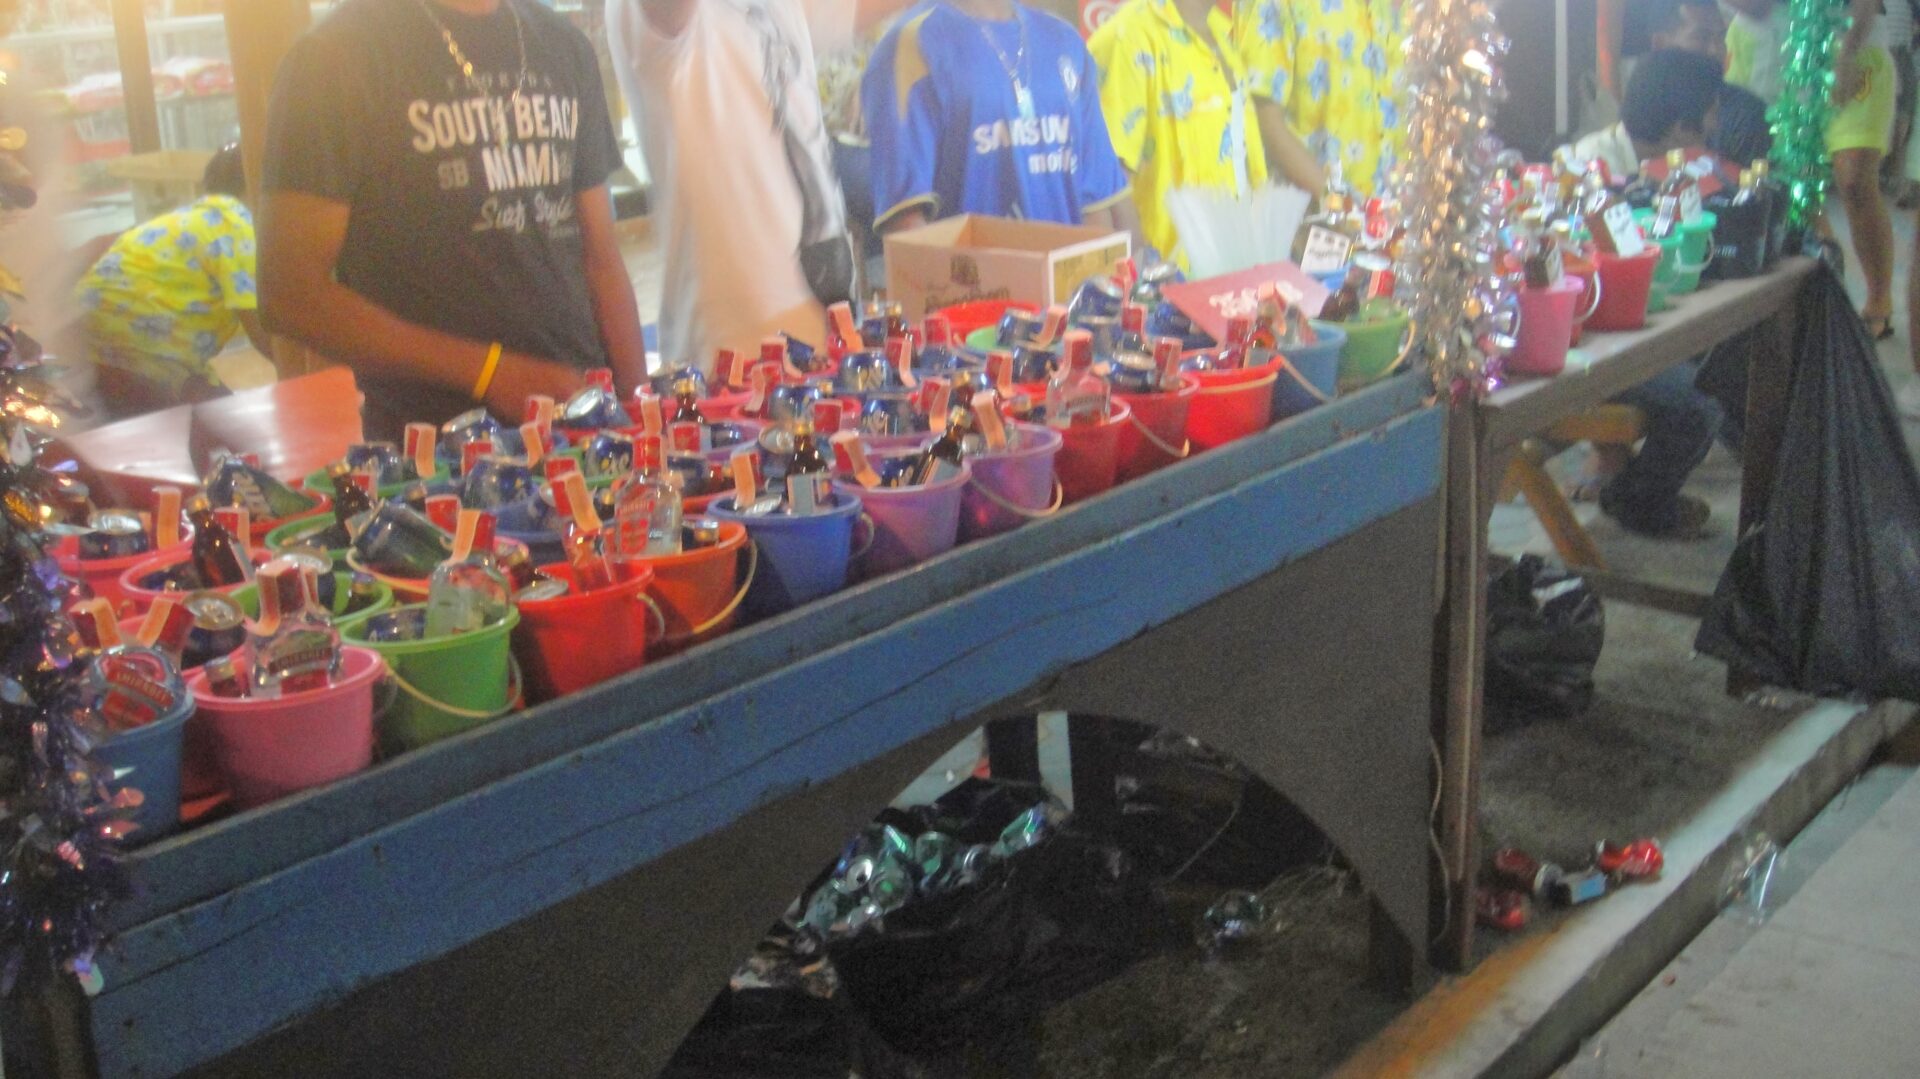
(1326, 250)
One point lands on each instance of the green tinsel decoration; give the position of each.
(1800, 116)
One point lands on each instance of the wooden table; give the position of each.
(1482, 438)
(564, 891)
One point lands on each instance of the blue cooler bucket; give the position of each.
(1316, 365)
(150, 756)
(801, 558)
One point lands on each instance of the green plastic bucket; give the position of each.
(291, 533)
(1373, 347)
(319, 481)
(985, 339)
(446, 685)
(249, 600)
(1683, 256)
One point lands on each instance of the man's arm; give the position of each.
(1287, 156)
(667, 18)
(614, 306)
(300, 239)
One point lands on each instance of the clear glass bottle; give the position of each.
(646, 506)
(580, 533)
(468, 591)
(293, 647)
(1078, 392)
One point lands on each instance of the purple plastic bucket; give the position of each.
(910, 524)
(1022, 479)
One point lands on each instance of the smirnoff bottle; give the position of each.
(580, 533)
(133, 683)
(292, 646)
(646, 506)
(1078, 392)
(468, 591)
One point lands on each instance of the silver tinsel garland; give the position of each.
(1462, 305)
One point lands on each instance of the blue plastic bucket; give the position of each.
(801, 558)
(150, 756)
(1315, 375)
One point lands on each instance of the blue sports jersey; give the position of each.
(947, 123)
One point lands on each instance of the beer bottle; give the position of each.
(809, 482)
(942, 457)
(350, 500)
(217, 556)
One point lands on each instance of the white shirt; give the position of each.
(1610, 144)
(730, 119)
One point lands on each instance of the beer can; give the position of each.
(726, 435)
(363, 591)
(542, 588)
(496, 481)
(219, 627)
(790, 401)
(400, 543)
(1018, 327)
(704, 532)
(1099, 298)
(865, 372)
(114, 534)
(399, 624)
(379, 459)
(609, 453)
(223, 680)
(662, 383)
(889, 412)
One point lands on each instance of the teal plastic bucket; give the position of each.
(1312, 375)
(1373, 347)
(446, 685)
(801, 558)
(150, 757)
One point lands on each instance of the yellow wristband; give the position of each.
(486, 372)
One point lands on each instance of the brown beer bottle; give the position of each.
(217, 556)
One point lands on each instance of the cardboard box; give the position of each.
(967, 258)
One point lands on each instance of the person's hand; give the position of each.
(520, 376)
(1849, 79)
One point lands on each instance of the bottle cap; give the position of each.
(1078, 350)
(556, 467)
(827, 416)
(600, 378)
(1133, 318)
(937, 330)
(472, 452)
(444, 511)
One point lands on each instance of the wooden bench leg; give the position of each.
(1550, 504)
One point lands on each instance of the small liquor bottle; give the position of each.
(292, 646)
(217, 556)
(468, 591)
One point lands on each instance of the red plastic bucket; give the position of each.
(1582, 268)
(1546, 328)
(580, 639)
(1089, 459)
(910, 524)
(698, 591)
(1007, 490)
(270, 748)
(139, 597)
(1231, 405)
(1156, 433)
(102, 575)
(1625, 287)
(968, 318)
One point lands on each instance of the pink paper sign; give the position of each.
(1212, 302)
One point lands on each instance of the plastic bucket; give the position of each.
(580, 639)
(1374, 347)
(1582, 267)
(1625, 286)
(1312, 375)
(414, 589)
(320, 483)
(1697, 251)
(270, 748)
(1546, 328)
(322, 503)
(1089, 459)
(968, 319)
(151, 757)
(1231, 405)
(139, 597)
(1006, 490)
(102, 576)
(699, 590)
(248, 597)
(801, 558)
(291, 533)
(910, 524)
(1156, 431)
(542, 547)
(447, 685)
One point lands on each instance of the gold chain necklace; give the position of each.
(460, 58)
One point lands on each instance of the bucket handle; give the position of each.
(1146, 432)
(1059, 499)
(1411, 338)
(1713, 252)
(1287, 368)
(1239, 386)
(1599, 290)
(753, 567)
(514, 700)
(659, 616)
(873, 534)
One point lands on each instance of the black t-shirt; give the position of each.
(462, 193)
(1741, 133)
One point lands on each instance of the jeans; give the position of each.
(1681, 425)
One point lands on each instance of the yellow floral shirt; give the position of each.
(1178, 119)
(164, 298)
(1331, 64)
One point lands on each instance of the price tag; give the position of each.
(1326, 250)
(1690, 203)
(1618, 220)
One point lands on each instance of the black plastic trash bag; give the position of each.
(1545, 629)
(1824, 595)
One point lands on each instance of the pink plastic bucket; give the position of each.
(1231, 405)
(1625, 287)
(1546, 328)
(102, 575)
(1009, 489)
(139, 597)
(910, 524)
(271, 748)
(1089, 460)
(1156, 434)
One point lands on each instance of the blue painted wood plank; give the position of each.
(207, 862)
(191, 986)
